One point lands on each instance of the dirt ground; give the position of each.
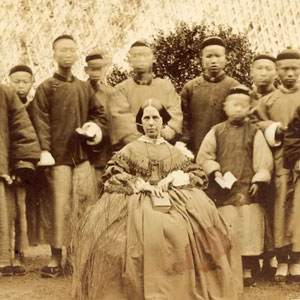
(33, 287)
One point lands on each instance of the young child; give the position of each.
(239, 147)
(21, 79)
(19, 150)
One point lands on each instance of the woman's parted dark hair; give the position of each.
(166, 117)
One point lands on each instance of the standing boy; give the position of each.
(263, 74)
(276, 110)
(61, 105)
(19, 151)
(134, 91)
(237, 146)
(203, 97)
(97, 61)
(21, 79)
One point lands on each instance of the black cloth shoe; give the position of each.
(249, 281)
(6, 271)
(19, 270)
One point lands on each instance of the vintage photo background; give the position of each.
(28, 27)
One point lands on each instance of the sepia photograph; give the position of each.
(150, 150)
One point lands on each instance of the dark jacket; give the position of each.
(102, 152)
(202, 106)
(291, 144)
(58, 108)
(18, 141)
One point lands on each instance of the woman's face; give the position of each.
(152, 122)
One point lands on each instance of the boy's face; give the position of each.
(140, 58)
(94, 69)
(214, 59)
(288, 71)
(65, 53)
(237, 106)
(21, 82)
(263, 72)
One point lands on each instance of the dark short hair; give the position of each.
(264, 56)
(212, 40)
(166, 117)
(63, 37)
(20, 68)
(288, 54)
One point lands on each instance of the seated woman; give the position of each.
(154, 234)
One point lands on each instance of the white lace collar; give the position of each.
(146, 139)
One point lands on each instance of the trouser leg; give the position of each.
(5, 257)
(59, 179)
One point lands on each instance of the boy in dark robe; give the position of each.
(21, 79)
(263, 74)
(97, 61)
(62, 105)
(202, 98)
(19, 151)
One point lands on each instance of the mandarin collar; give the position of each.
(63, 78)
(147, 81)
(270, 88)
(289, 91)
(214, 79)
(237, 123)
(148, 140)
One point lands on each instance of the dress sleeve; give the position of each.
(39, 111)
(262, 159)
(197, 176)
(206, 157)
(117, 175)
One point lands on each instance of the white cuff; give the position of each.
(46, 159)
(93, 130)
(179, 178)
(270, 133)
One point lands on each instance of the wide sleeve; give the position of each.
(197, 176)
(262, 159)
(174, 108)
(97, 112)
(206, 156)
(123, 124)
(291, 145)
(185, 106)
(24, 143)
(39, 111)
(118, 175)
(260, 116)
